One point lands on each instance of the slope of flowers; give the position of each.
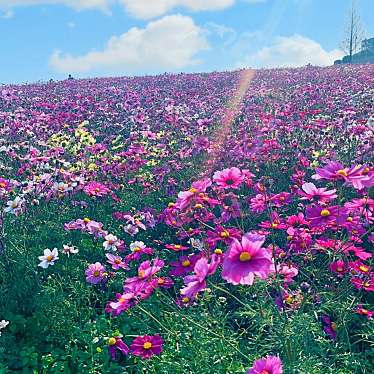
(130, 244)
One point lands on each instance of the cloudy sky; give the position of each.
(43, 39)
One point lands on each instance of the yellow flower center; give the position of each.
(170, 205)
(339, 269)
(112, 341)
(186, 263)
(325, 213)
(366, 284)
(86, 220)
(349, 219)
(334, 326)
(193, 190)
(177, 246)
(160, 281)
(224, 234)
(218, 251)
(137, 249)
(117, 261)
(198, 206)
(288, 299)
(274, 225)
(185, 300)
(365, 171)
(14, 204)
(96, 273)
(264, 372)
(364, 311)
(342, 172)
(364, 268)
(49, 258)
(2, 185)
(245, 257)
(147, 345)
(141, 273)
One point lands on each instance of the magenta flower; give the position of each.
(96, 189)
(147, 346)
(247, 259)
(116, 262)
(339, 267)
(116, 343)
(320, 195)
(268, 365)
(329, 327)
(196, 283)
(321, 216)
(95, 273)
(228, 178)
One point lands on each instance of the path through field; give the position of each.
(228, 118)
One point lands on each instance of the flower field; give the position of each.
(201, 223)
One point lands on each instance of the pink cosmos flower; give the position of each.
(147, 346)
(184, 265)
(321, 195)
(329, 327)
(123, 302)
(196, 283)
(116, 262)
(247, 259)
(364, 312)
(229, 178)
(335, 171)
(268, 365)
(116, 343)
(96, 189)
(339, 267)
(95, 273)
(321, 216)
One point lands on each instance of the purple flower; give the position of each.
(268, 365)
(147, 346)
(95, 273)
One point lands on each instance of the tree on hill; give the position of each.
(354, 34)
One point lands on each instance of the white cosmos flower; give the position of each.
(3, 324)
(15, 206)
(68, 250)
(137, 246)
(48, 258)
(111, 243)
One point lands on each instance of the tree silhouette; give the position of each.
(354, 34)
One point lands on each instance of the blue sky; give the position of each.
(43, 39)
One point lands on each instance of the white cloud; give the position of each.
(146, 9)
(291, 51)
(170, 43)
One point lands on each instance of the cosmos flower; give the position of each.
(267, 365)
(116, 262)
(247, 259)
(228, 178)
(329, 327)
(115, 343)
(111, 243)
(147, 346)
(49, 257)
(96, 189)
(15, 207)
(95, 273)
(68, 250)
(320, 195)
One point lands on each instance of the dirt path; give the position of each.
(232, 111)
